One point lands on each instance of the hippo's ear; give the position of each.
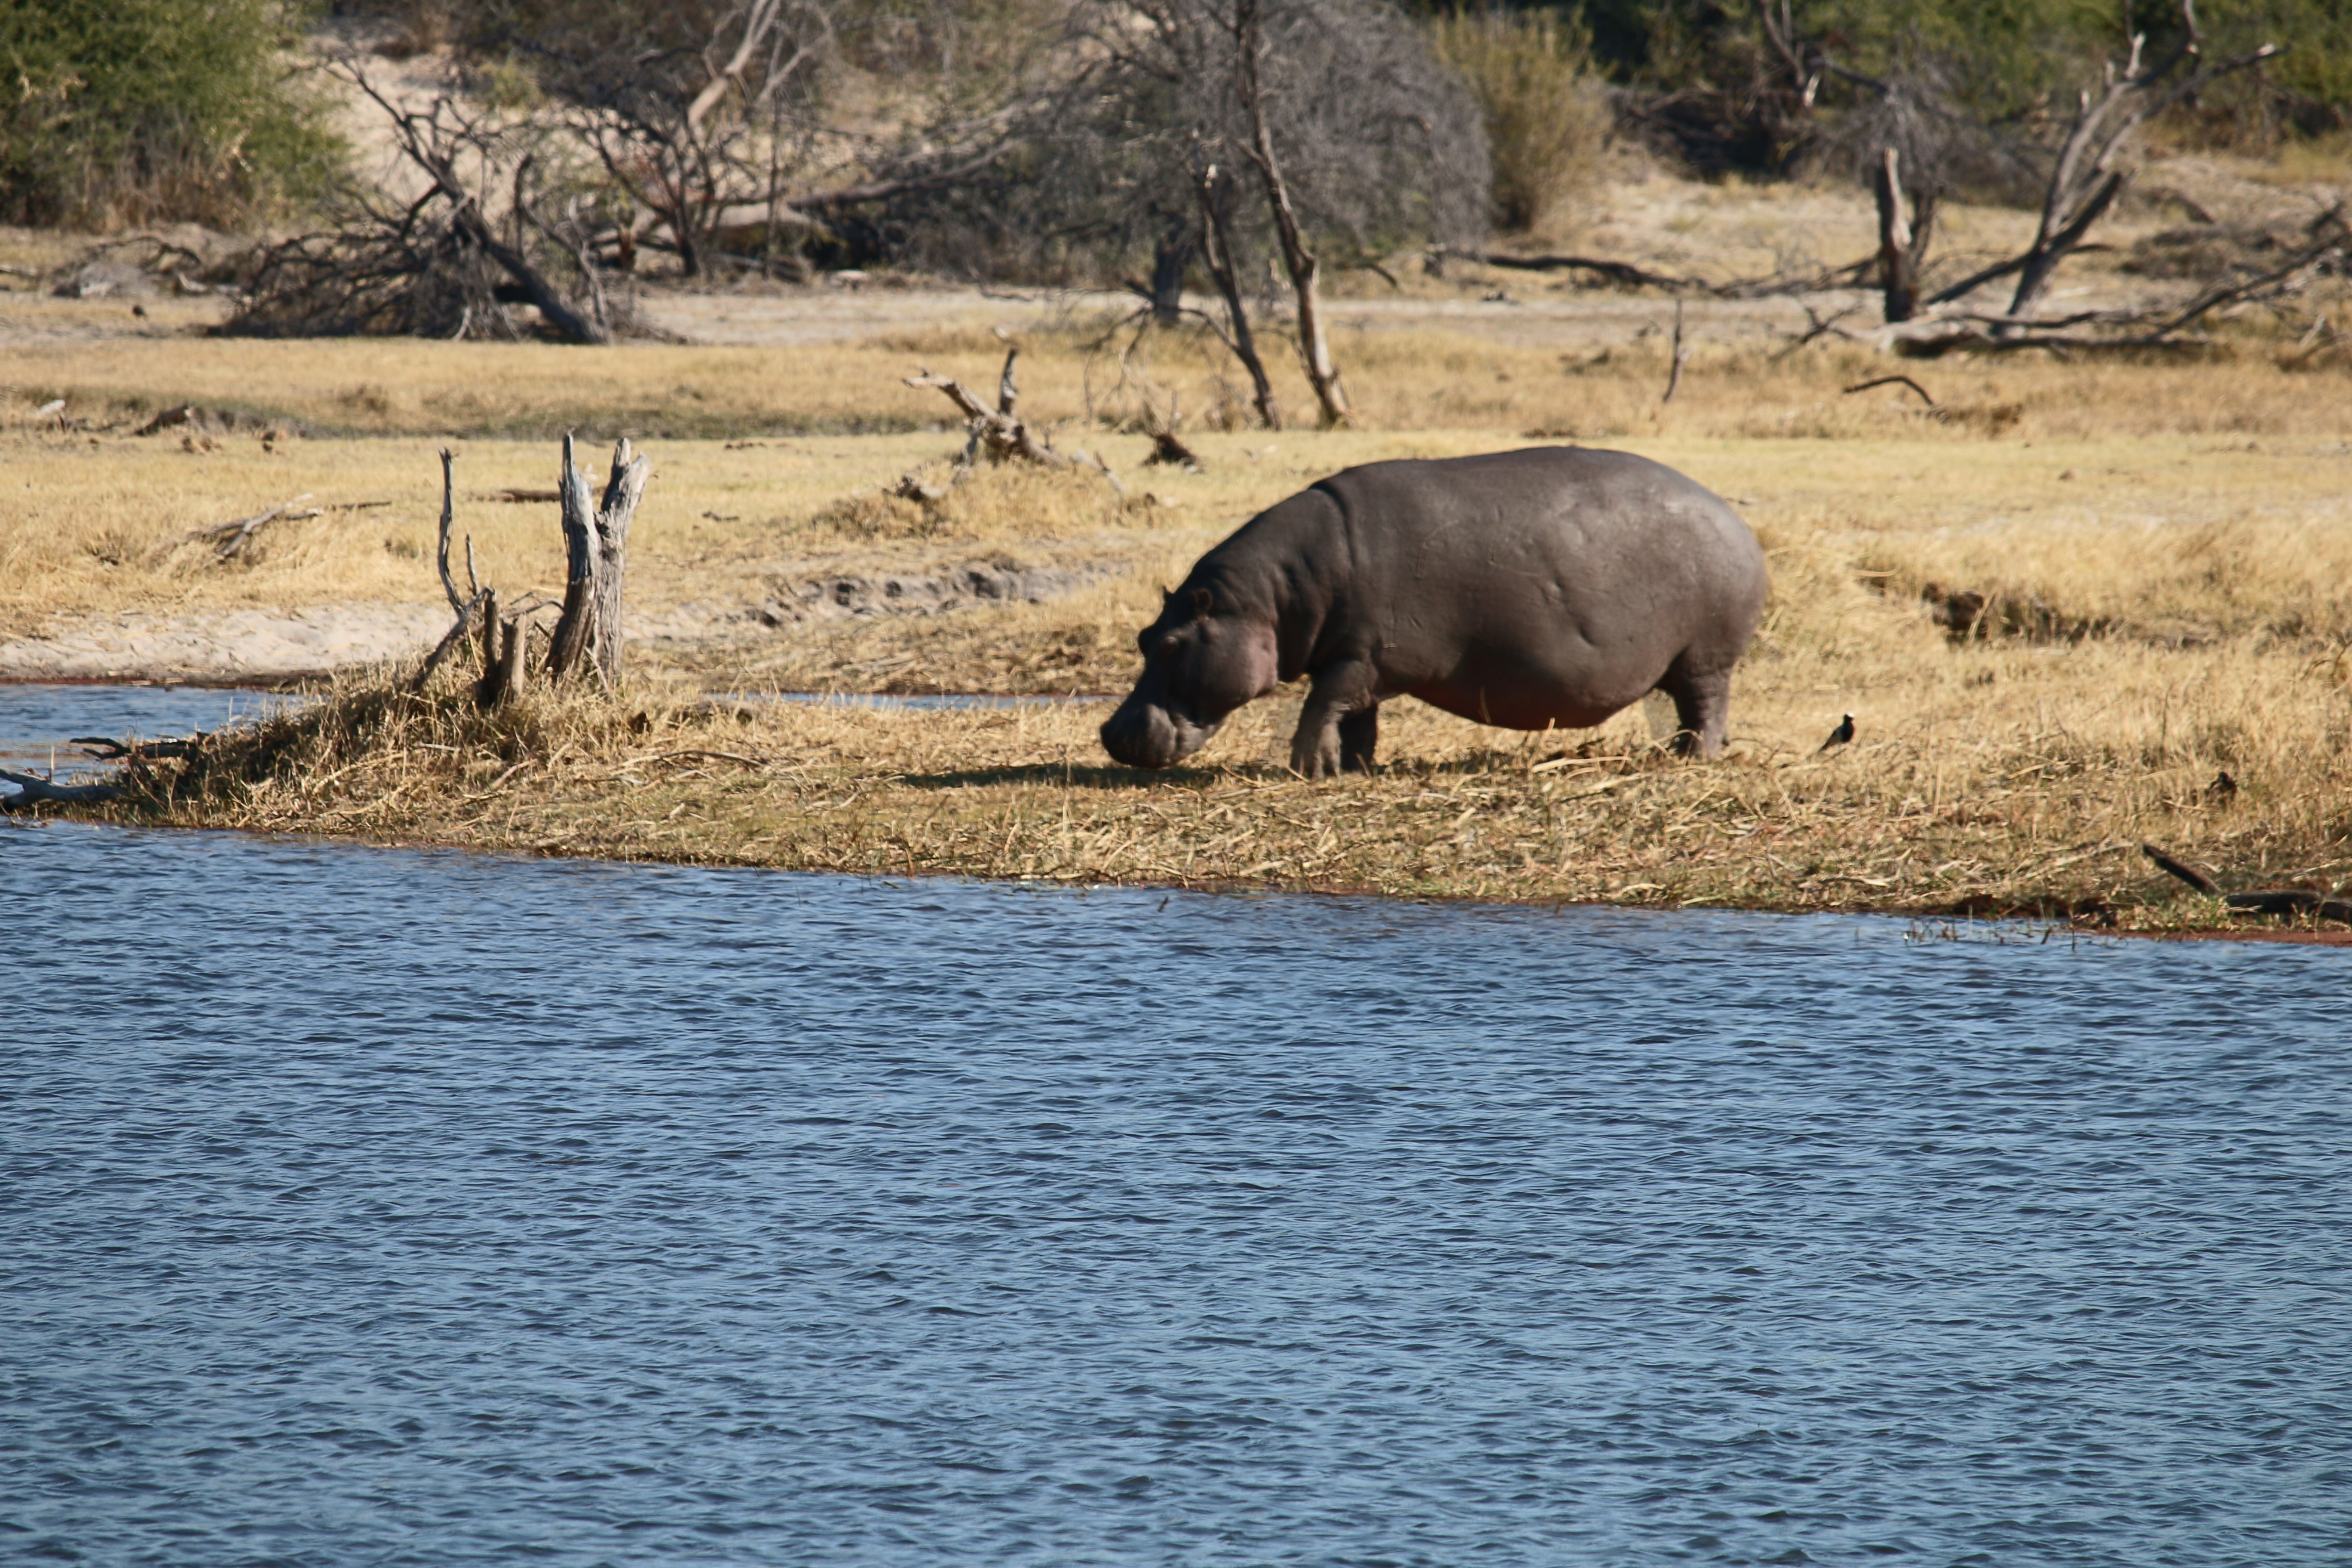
(1202, 601)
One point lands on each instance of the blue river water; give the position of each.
(39, 721)
(375, 1207)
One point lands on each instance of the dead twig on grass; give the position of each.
(235, 536)
(1892, 381)
(1817, 326)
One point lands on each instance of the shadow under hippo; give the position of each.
(1536, 589)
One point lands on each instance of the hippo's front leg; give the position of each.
(1341, 723)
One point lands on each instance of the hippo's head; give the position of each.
(1203, 657)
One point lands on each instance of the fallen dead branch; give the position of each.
(1623, 273)
(1628, 276)
(439, 266)
(2289, 901)
(998, 432)
(236, 535)
(1892, 381)
(35, 790)
(2083, 181)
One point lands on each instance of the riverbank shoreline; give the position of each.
(1020, 792)
(1995, 929)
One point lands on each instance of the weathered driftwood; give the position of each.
(596, 538)
(2287, 901)
(998, 432)
(1626, 275)
(36, 789)
(590, 629)
(233, 537)
(504, 640)
(104, 750)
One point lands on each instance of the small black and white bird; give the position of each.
(1839, 736)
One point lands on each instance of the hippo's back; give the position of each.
(1577, 573)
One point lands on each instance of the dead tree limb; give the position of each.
(1213, 187)
(1620, 272)
(1681, 354)
(994, 431)
(2330, 246)
(1008, 391)
(1304, 267)
(2085, 180)
(1892, 381)
(237, 534)
(36, 790)
(466, 608)
(2287, 901)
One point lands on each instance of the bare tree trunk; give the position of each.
(1304, 267)
(1902, 245)
(1170, 259)
(1217, 252)
(596, 545)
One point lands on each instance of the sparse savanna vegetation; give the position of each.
(2101, 615)
(2076, 600)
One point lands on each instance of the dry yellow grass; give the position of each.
(1986, 780)
(2177, 531)
(2075, 461)
(1492, 372)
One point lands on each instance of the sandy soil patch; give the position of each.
(236, 646)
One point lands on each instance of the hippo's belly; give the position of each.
(1532, 649)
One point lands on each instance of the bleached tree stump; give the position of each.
(596, 540)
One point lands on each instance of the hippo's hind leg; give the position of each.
(1359, 736)
(1702, 707)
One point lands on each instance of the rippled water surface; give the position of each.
(377, 1207)
(38, 721)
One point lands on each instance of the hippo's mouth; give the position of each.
(1148, 735)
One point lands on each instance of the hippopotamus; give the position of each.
(1541, 588)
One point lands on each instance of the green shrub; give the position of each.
(1545, 113)
(128, 111)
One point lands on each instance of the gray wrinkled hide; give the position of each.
(1544, 588)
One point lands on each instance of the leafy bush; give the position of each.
(126, 111)
(1546, 112)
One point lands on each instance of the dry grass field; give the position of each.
(2076, 605)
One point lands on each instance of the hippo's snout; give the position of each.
(1147, 735)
